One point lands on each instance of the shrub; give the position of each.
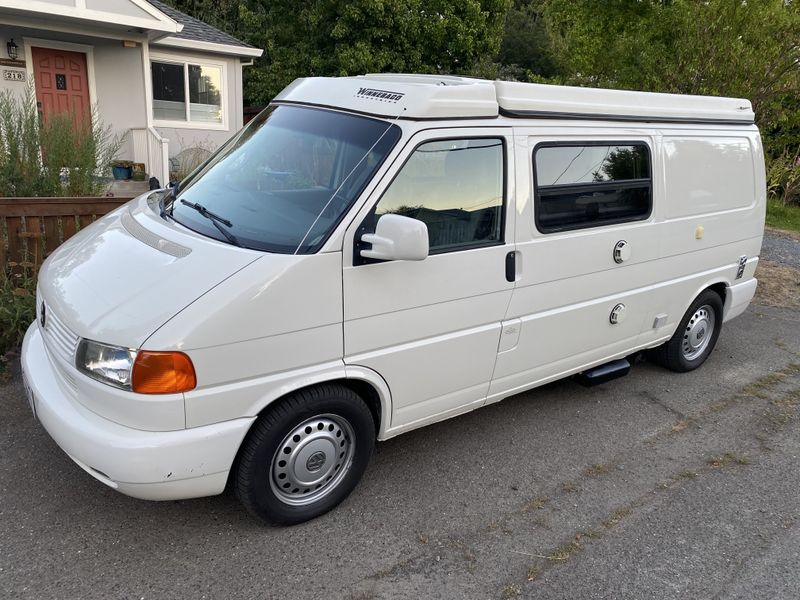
(53, 158)
(17, 308)
(783, 177)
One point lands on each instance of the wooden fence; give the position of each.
(31, 228)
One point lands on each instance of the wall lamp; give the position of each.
(12, 49)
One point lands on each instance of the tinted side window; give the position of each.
(588, 185)
(456, 188)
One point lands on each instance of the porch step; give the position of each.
(127, 189)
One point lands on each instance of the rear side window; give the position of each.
(456, 188)
(591, 184)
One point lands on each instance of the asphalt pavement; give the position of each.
(657, 485)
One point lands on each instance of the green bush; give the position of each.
(783, 177)
(53, 158)
(17, 309)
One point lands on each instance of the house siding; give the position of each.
(119, 84)
(18, 88)
(120, 7)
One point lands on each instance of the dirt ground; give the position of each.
(778, 285)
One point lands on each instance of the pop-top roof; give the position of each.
(447, 97)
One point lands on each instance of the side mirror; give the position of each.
(397, 238)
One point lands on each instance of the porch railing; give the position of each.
(152, 150)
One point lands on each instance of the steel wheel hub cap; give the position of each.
(698, 332)
(311, 461)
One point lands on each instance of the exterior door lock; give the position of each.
(617, 314)
(622, 251)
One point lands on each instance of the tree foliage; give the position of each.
(334, 38)
(718, 47)
(741, 48)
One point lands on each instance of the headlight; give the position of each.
(143, 372)
(108, 364)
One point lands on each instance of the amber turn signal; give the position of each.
(162, 373)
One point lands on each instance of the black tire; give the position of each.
(332, 439)
(677, 354)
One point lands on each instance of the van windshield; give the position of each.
(286, 180)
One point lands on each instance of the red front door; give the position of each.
(62, 83)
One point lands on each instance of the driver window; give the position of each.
(455, 187)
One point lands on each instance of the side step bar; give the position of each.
(603, 373)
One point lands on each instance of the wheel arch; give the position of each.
(368, 384)
(719, 285)
(365, 382)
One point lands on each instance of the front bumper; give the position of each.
(162, 465)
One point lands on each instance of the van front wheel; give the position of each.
(305, 455)
(695, 337)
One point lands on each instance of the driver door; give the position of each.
(431, 328)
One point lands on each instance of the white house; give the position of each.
(164, 79)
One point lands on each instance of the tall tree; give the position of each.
(526, 42)
(748, 49)
(348, 37)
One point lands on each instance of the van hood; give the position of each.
(121, 278)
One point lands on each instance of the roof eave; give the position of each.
(213, 47)
(160, 23)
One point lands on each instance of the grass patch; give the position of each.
(728, 458)
(688, 474)
(680, 425)
(535, 504)
(569, 487)
(565, 551)
(596, 470)
(534, 573)
(616, 517)
(510, 591)
(783, 216)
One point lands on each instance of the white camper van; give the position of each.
(374, 254)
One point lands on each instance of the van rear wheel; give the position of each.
(695, 337)
(305, 455)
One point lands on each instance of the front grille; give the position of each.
(58, 337)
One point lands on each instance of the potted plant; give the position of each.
(122, 169)
(138, 172)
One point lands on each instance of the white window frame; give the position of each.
(185, 62)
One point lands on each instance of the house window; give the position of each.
(455, 187)
(591, 184)
(187, 92)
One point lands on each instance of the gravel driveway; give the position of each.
(781, 247)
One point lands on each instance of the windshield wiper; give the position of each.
(162, 204)
(215, 219)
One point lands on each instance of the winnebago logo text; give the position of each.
(382, 95)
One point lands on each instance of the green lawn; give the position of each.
(783, 217)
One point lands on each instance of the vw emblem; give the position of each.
(701, 333)
(315, 461)
(43, 317)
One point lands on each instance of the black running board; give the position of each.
(603, 373)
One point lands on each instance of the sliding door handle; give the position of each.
(511, 266)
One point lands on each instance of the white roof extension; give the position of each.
(447, 97)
